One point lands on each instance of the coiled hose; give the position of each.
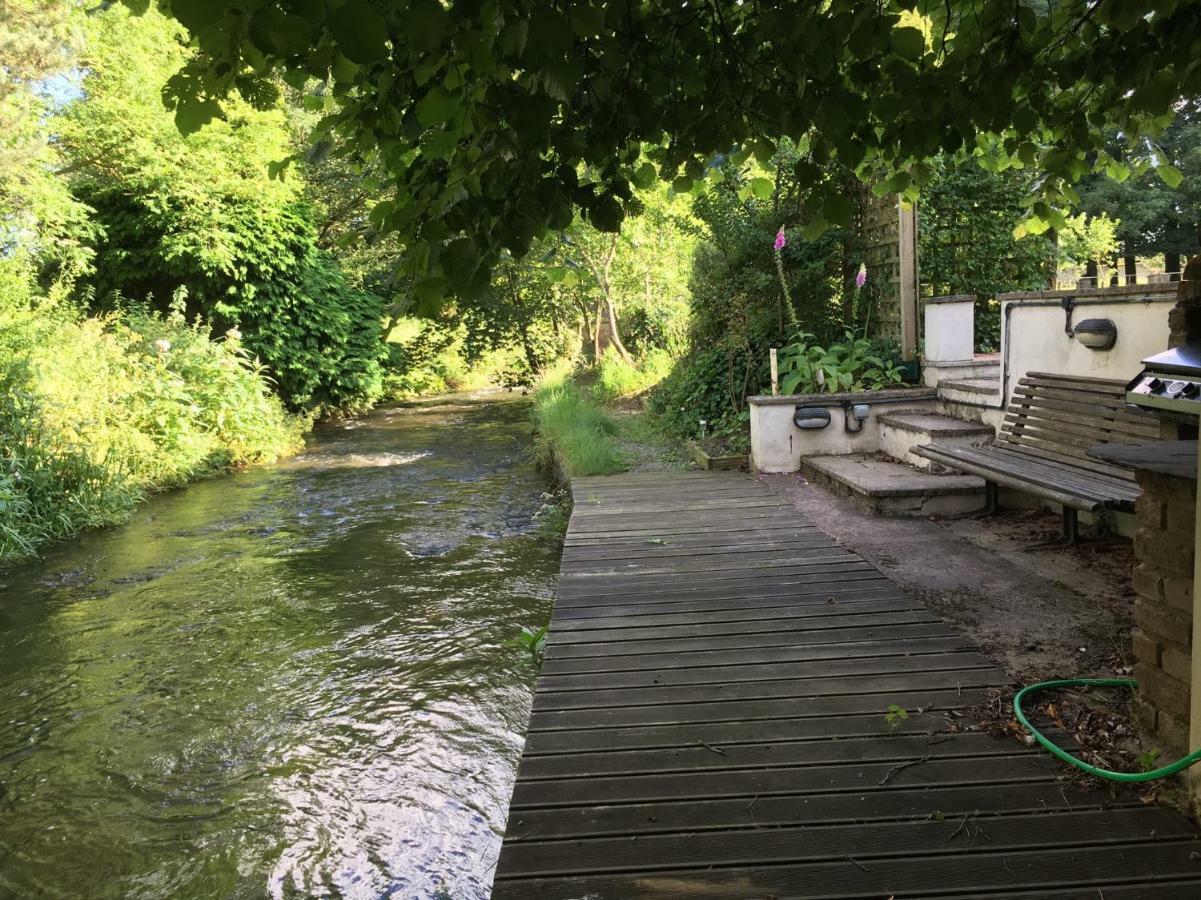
(1161, 772)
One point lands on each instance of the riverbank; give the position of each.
(99, 412)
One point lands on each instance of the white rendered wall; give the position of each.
(1033, 337)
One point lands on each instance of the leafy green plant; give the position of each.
(533, 640)
(895, 716)
(806, 367)
(1147, 759)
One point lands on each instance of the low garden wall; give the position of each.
(778, 444)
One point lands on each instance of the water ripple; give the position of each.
(290, 682)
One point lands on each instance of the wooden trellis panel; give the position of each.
(889, 237)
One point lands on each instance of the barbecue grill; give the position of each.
(1170, 384)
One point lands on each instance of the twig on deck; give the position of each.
(858, 864)
(900, 767)
(711, 748)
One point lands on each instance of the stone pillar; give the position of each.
(950, 327)
(1163, 582)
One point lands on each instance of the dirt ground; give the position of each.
(1039, 614)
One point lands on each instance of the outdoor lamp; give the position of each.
(1096, 334)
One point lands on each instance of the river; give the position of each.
(292, 681)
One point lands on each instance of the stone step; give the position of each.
(902, 431)
(934, 373)
(889, 488)
(983, 392)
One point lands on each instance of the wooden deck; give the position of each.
(710, 723)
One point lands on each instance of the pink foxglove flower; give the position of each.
(780, 240)
(861, 276)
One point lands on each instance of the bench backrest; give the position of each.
(1058, 417)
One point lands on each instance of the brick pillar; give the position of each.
(1163, 582)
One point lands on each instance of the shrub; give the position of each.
(96, 412)
(570, 424)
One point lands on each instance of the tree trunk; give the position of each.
(596, 337)
(531, 358)
(1091, 272)
(1171, 265)
(1131, 263)
(614, 333)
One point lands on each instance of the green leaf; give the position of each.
(761, 188)
(360, 31)
(645, 176)
(437, 107)
(343, 70)
(192, 114)
(908, 43)
(587, 21)
(1169, 175)
(839, 209)
(275, 31)
(814, 229)
(425, 25)
(191, 14)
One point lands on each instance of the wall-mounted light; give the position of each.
(810, 418)
(1096, 334)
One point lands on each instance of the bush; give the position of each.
(96, 412)
(570, 424)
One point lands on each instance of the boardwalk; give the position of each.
(710, 722)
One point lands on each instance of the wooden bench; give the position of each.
(1042, 447)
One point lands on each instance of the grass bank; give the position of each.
(588, 422)
(97, 412)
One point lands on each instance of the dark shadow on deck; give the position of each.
(710, 723)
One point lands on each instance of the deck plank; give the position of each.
(710, 721)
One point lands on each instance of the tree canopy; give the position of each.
(495, 120)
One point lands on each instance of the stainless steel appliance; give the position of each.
(1170, 384)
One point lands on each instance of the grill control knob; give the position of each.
(1155, 385)
(1191, 390)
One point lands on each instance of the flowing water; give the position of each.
(294, 681)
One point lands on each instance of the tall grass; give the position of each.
(571, 426)
(618, 380)
(97, 412)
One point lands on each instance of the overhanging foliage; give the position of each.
(495, 119)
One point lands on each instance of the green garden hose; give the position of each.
(1162, 772)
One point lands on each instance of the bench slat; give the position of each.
(1063, 412)
(1070, 473)
(1113, 405)
(1094, 431)
(994, 465)
(1058, 451)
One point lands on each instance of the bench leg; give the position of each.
(1071, 526)
(1070, 536)
(992, 504)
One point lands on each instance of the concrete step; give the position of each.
(889, 488)
(901, 431)
(933, 373)
(961, 392)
